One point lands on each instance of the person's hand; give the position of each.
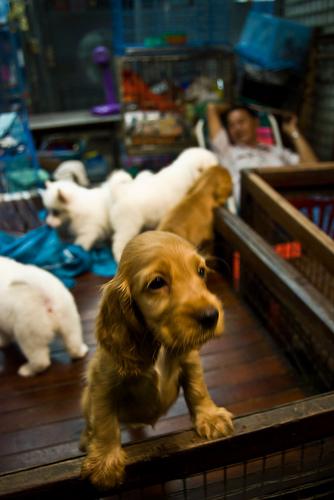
(304, 150)
(290, 125)
(218, 107)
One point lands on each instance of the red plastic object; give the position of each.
(135, 90)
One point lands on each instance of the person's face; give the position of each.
(242, 127)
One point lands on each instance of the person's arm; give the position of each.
(213, 113)
(304, 150)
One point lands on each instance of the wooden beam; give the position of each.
(305, 175)
(182, 454)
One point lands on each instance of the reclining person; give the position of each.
(236, 143)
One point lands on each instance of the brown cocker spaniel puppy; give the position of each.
(193, 217)
(154, 316)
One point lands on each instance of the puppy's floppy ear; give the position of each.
(62, 196)
(119, 330)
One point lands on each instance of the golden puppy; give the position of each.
(192, 217)
(154, 316)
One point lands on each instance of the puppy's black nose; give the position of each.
(208, 317)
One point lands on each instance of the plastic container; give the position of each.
(274, 43)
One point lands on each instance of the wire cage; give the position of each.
(268, 196)
(153, 23)
(172, 57)
(142, 69)
(164, 91)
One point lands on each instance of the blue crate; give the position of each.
(274, 43)
(203, 22)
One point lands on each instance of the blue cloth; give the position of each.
(43, 248)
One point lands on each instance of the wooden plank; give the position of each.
(182, 454)
(26, 430)
(281, 211)
(246, 349)
(306, 175)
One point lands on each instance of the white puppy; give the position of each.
(34, 305)
(86, 211)
(143, 202)
(121, 207)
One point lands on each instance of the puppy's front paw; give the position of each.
(104, 471)
(214, 423)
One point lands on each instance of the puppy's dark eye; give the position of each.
(54, 212)
(157, 283)
(201, 272)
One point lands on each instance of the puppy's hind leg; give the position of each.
(33, 329)
(69, 327)
(34, 344)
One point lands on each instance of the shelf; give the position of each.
(69, 119)
(178, 52)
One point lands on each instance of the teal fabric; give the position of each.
(43, 248)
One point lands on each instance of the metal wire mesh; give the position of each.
(310, 356)
(161, 81)
(304, 471)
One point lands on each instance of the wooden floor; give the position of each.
(41, 420)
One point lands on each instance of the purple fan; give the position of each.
(101, 57)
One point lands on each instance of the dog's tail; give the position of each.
(73, 170)
(118, 177)
(69, 326)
